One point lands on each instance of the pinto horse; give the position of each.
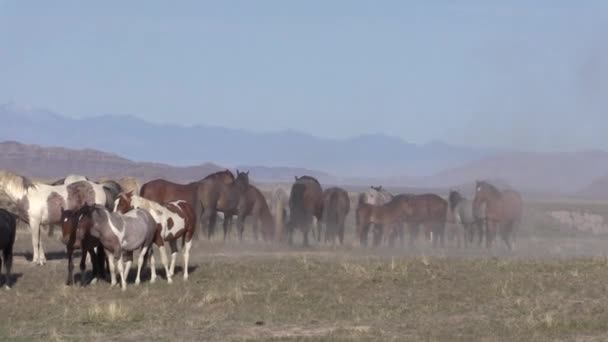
(213, 195)
(336, 205)
(253, 203)
(305, 204)
(174, 220)
(163, 191)
(503, 211)
(40, 204)
(120, 235)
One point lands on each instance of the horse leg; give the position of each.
(505, 233)
(240, 226)
(208, 221)
(305, 229)
(173, 246)
(70, 279)
(8, 264)
(83, 264)
(36, 243)
(186, 251)
(140, 263)
(377, 234)
(227, 224)
(490, 233)
(123, 272)
(165, 262)
(112, 267)
(414, 231)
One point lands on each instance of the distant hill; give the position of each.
(562, 172)
(55, 162)
(374, 155)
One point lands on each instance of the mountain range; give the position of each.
(133, 146)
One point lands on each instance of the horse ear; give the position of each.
(247, 173)
(295, 177)
(237, 172)
(130, 193)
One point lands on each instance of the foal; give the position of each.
(174, 220)
(8, 228)
(77, 239)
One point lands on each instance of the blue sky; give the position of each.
(523, 74)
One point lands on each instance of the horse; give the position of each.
(120, 235)
(336, 205)
(377, 195)
(174, 220)
(279, 203)
(213, 195)
(74, 239)
(253, 203)
(163, 191)
(429, 210)
(69, 179)
(8, 231)
(305, 204)
(40, 204)
(387, 219)
(462, 213)
(503, 211)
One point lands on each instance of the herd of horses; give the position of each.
(111, 220)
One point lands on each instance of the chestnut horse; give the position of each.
(163, 191)
(503, 211)
(253, 203)
(213, 195)
(388, 219)
(431, 211)
(336, 205)
(305, 204)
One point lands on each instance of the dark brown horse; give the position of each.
(75, 239)
(305, 204)
(213, 195)
(336, 205)
(253, 203)
(503, 211)
(388, 219)
(431, 211)
(163, 191)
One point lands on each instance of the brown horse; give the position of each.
(163, 191)
(336, 205)
(305, 204)
(431, 211)
(503, 211)
(387, 219)
(213, 195)
(253, 203)
(75, 239)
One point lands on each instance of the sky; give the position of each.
(516, 74)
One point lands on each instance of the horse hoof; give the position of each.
(170, 281)
(152, 280)
(123, 289)
(7, 288)
(93, 281)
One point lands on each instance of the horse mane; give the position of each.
(14, 183)
(455, 198)
(220, 173)
(308, 178)
(491, 188)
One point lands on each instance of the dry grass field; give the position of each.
(553, 286)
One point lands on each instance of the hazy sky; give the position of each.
(529, 74)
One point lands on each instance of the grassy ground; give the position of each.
(258, 292)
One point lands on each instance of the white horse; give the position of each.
(176, 220)
(279, 206)
(40, 204)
